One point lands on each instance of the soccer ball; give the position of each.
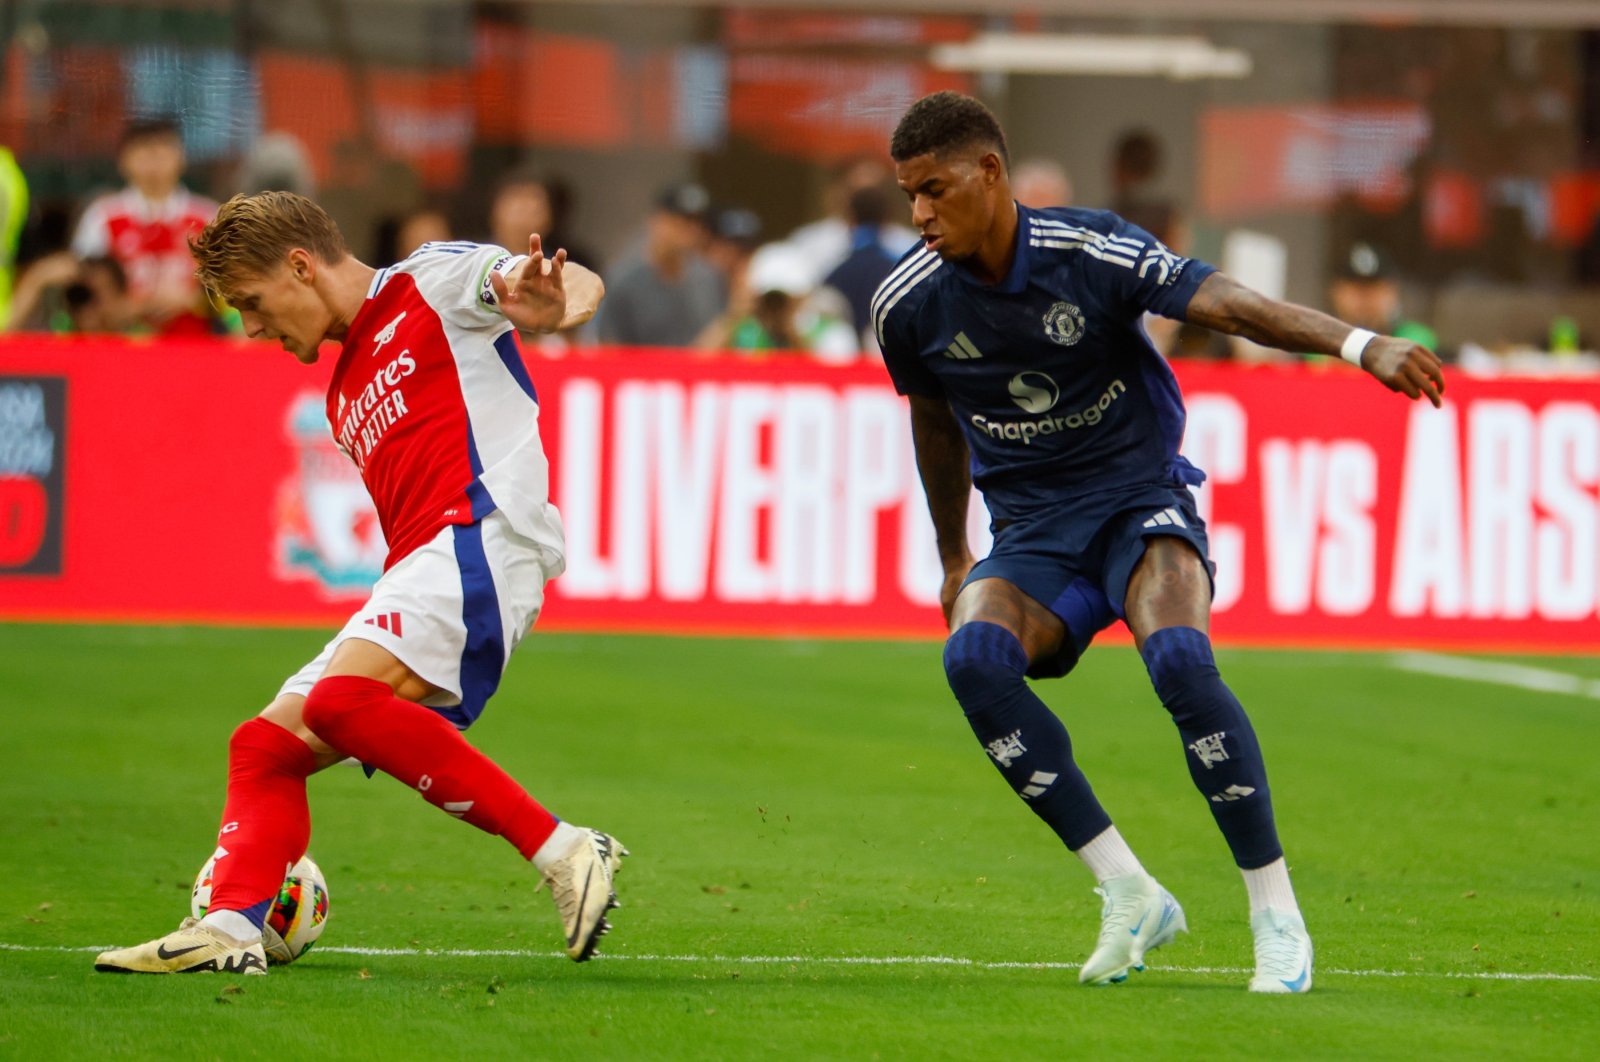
(297, 916)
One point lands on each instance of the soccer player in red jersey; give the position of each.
(432, 402)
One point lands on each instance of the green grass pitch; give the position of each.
(790, 806)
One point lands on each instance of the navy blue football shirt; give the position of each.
(1049, 372)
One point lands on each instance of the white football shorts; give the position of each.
(452, 611)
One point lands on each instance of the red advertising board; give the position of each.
(196, 481)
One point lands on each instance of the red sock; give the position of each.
(266, 823)
(362, 717)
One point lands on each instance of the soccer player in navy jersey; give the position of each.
(1015, 333)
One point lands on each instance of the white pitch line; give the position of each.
(851, 960)
(1519, 676)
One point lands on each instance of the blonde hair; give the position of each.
(253, 234)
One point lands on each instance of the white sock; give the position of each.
(1269, 886)
(1108, 856)
(232, 923)
(557, 845)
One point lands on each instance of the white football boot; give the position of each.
(1283, 952)
(581, 884)
(1138, 916)
(193, 947)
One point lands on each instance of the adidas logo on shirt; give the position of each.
(962, 349)
(389, 621)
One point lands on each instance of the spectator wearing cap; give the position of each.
(777, 307)
(664, 294)
(1364, 292)
(735, 235)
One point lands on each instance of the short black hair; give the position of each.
(150, 128)
(946, 122)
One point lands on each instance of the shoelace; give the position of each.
(1278, 952)
(1116, 915)
(559, 879)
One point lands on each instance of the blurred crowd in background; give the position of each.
(698, 275)
(732, 184)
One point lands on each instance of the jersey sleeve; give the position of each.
(910, 375)
(1142, 272)
(454, 277)
(90, 239)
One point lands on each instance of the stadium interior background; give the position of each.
(1447, 150)
(739, 672)
(1462, 137)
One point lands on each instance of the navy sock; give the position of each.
(257, 912)
(1219, 743)
(986, 666)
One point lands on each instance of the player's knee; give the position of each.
(1179, 659)
(1186, 678)
(333, 700)
(246, 741)
(980, 660)
(258, 745)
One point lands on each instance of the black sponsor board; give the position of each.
(33, 450)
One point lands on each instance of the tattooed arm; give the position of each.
(942, 462)
(1225, 305)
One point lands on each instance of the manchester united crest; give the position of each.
(1063, 323)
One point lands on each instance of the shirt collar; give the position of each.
(1016, 278)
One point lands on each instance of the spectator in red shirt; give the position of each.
(146, 227)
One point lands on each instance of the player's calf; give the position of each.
(266, 824)
(1223, 755)
(987, 667)
(362, 717)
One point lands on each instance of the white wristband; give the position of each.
(1354, 344)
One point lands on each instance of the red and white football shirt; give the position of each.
(150, 240)
(431, 400)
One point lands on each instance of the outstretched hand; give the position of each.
(1404, 366)
(537, 300)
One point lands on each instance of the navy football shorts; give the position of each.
(1076, 559)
